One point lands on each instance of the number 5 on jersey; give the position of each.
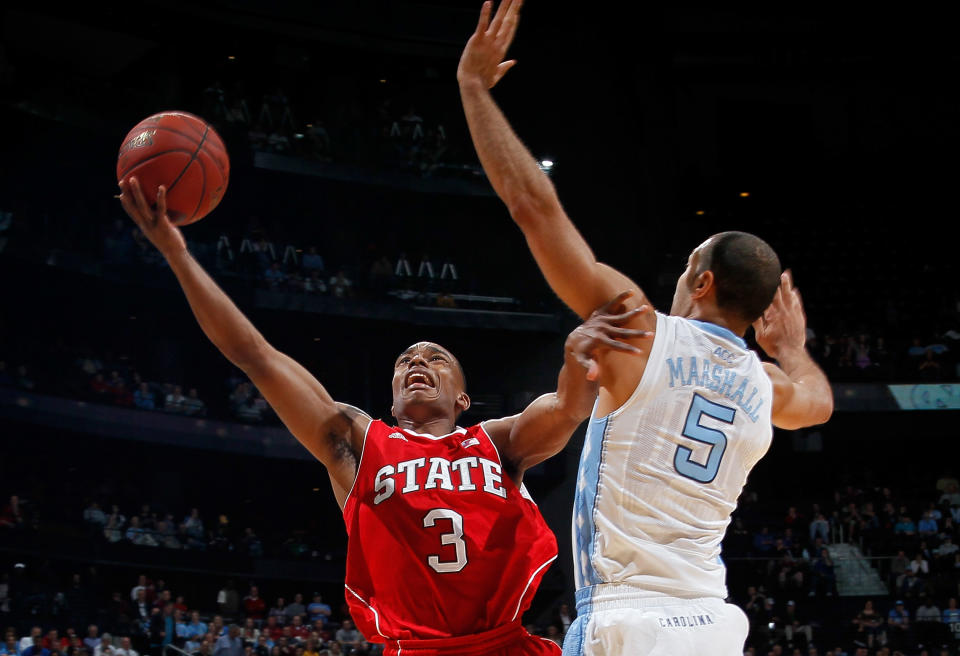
(695, 431)
(454, 537)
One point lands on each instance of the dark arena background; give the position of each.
(134, 454)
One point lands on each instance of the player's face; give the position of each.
(426, 373)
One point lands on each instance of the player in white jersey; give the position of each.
(675, 432)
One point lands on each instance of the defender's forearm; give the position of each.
(800, 368)
(511, 169)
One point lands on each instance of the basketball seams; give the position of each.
(192, 159)
(130, 168)
(190, 139)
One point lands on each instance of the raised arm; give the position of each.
(564, 258)
(332, 432)
(546, 425)
(802, 395)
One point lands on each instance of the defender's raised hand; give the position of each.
(604, 330)
(154, 223)
(482, 59)
(783, 326)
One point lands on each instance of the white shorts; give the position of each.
(614, 620)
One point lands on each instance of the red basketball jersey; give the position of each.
(441, 541)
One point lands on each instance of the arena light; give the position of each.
(744, 194)
(546, 164)
(700, 212)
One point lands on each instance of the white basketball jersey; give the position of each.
(660, 476)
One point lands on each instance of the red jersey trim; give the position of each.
(376, 615)
(527, 587)
(356, 474)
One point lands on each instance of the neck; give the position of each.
(714, 316)
(436, 426)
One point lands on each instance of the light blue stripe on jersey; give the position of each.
(719, 331)
(588, 481)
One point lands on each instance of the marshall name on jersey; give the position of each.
(442, 543)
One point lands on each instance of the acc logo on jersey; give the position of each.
(397, 436)
(470, 442)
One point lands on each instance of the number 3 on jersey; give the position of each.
(695, 431)
(454, 537)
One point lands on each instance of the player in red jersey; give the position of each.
(445, 547)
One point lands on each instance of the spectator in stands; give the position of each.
(314, 284)
(105, 646)
(11, 517)
(794, 624)
(273, 629)
(951, 619)
(318, 610)
(228, 600)
(563, 617)
(763, 542)
(253, 604)
(298, 630)
(251, 545)
(869, 626)
(250, 632)
(312, 261)
(820, 528)
(143, 398)
(278, 610)
(36, 649)
(898, 619)
(193, 405)
(928, 622)
(10, 646)
(263, 646)
(294, 608)
(28, 640)
(274, 275)
(92, 640)
(229, 644)
(93, 515)
(348, 636)
(138, 535)
(823, 576)
(175, 401)
(340, 285)
(126, 648)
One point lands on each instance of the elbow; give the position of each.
(249, 355)
(529, 208)
(825, 411)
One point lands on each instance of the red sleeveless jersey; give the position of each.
(441, 541)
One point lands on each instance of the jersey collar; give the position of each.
(720, 331)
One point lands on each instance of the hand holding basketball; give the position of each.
(154, 223)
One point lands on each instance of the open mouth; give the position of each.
(417, 380)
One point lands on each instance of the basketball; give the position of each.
(182, 152)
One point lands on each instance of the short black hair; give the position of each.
(746, 271)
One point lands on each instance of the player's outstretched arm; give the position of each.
(547, 424)
(802, 395)
(564, 257)
(331, 431)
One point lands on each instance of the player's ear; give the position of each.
(463, 402)
(392, 413)
(703, 284)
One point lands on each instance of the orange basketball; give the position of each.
(182, 152)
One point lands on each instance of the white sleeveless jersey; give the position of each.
(660, 476)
